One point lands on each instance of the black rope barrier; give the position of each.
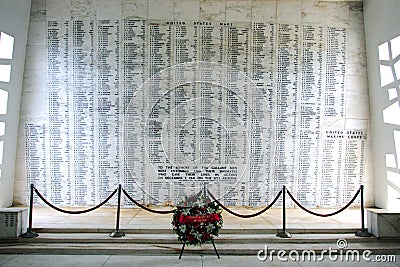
(144, 207)
(78, 211)
(324, 215)
(246, 215)
(362, 233)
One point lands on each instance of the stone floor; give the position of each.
(105, 218)
(200, 261)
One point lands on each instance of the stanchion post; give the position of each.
(117, 232)
(284, 233)
(29, 233)
(363, 232)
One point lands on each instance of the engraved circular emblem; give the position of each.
(198, 125)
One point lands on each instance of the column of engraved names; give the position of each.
(59, 106)
(160, 57)
(209, 135)
(245, 116)
(333, 106)
(36, 165)
(331, 168)
(309, 114)
(287, 104)
(179, 95)
(353, 170)
(211, 150)
(134, 63)
(184, 109)
(227, 130)
(83, 55)
(263, 60)
(335, 72)
(108, 108)
(262, 73)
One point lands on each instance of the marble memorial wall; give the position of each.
(166, 96)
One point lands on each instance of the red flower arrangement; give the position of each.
(197, 225)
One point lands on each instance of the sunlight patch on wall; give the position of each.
(392, 93)
(2, 128)
(390, 77)
(396, 135)
(394, 178)
(395, 46)
(1, 151)
(391, 114)
(6, 46)
(391, 161)
(384, 51)
(3, 101)
(5, 73)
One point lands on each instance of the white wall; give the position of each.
(382, 23)
(14, 20)
(52, 149)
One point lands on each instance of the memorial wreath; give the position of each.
(196, 225)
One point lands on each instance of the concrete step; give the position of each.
(167, 244)
(55, 238)
(85, 248)
(242, 230)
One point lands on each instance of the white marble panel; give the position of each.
(83, 9)
(357, 108)
(212, 10)
(356, 16)
(357, 86)
(368, 192)
(38, 10)
(161, 9)
(238, 11)
(312, 12)
(355, 124)
(135, 8)
(337, 14)
(34, 80)
(187, 10)
(37, 33)
(107, 9)
(19, 189)
(33, 94)
(58, 10)
(288, 12)
(18, 227)
(263, 10)
(383, 223)
(332, 123)
(356, 55)
(35, 58)
(20, 186)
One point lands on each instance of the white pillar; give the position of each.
(14, 21)
(382, 24)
